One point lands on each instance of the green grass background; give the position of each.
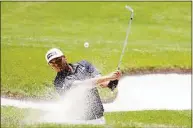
(160, 37)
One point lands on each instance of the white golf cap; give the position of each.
(53, 53)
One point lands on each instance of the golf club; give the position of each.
(113, 84)
(127, 34)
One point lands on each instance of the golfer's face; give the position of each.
(58, 64)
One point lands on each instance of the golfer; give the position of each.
(81, 73)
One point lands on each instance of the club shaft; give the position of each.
(125, 42)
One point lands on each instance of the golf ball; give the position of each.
(86, 44)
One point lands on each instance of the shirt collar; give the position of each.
(74, 69)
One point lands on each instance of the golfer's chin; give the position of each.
(59, 69)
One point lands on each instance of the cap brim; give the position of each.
(53, 57)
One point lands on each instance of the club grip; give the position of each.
(113, 84)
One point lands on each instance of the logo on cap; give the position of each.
(51, 54)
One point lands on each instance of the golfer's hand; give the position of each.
(115, 75)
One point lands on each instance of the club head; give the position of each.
(129, 8)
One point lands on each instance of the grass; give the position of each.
(14, 117)
(159, 38)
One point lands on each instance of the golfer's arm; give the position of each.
(94, 81)
(101, 80)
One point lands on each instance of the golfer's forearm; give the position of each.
(102, 80)
(94, 81)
